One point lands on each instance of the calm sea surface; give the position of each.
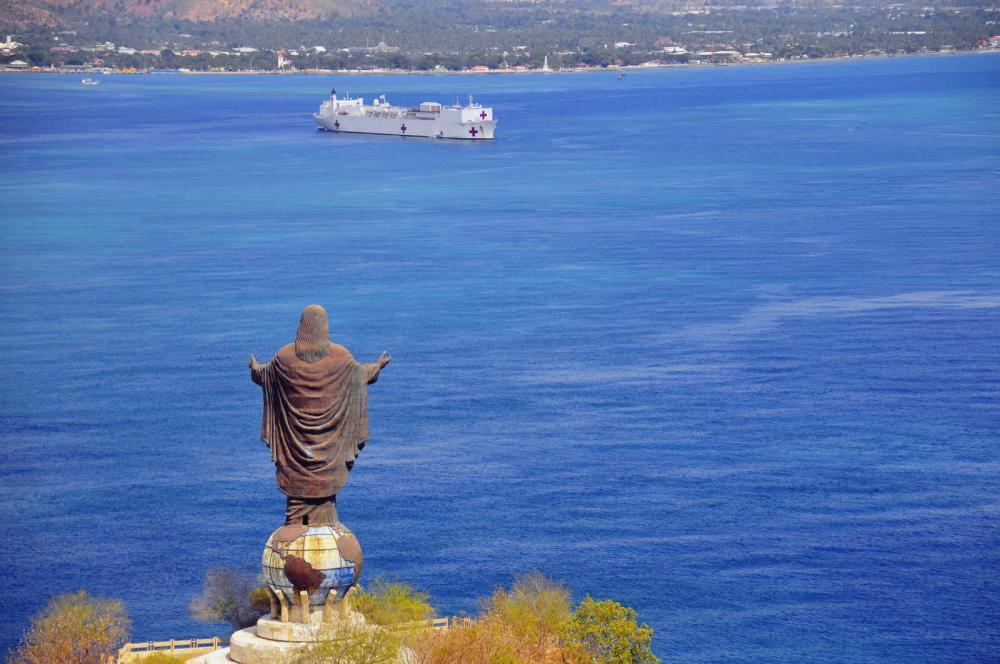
(722, 344)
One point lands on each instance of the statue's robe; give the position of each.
(315, 418)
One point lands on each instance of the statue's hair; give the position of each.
(312, 341)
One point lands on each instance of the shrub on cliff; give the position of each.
(163, 658)
(74, 629)
(229, 596)
(517, 626)
(609, 632)
(351, 644)
(535, 607)
(390, 603)
(533, 623)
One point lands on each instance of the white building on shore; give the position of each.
(10, 45)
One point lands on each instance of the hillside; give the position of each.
(335, 34)
(66, 12)
(24, 14)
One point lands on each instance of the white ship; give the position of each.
(472, 122)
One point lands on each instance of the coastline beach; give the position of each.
(509, 71)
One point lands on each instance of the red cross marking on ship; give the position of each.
(483, 115)
(403, 129)
(473, 132)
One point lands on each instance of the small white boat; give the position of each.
(90, 81)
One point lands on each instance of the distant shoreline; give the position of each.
(465, 72)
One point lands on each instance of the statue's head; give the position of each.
(312, 341)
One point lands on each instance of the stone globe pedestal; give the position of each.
(310, 572)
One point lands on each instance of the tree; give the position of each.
(74, 629)
(608, 631)
(535, 607)
(229, 596)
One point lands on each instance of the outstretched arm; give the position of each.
(255, 370)
(372, 370)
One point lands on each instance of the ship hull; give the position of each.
(472, 122)
(413, 126)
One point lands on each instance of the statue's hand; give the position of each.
(384, 359)
(253, 362)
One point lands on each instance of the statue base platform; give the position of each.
(246, 647)
(215, 657)
(274, 630)
(273, 641)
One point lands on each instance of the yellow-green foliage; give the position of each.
(535, 607)
(390, 603)
(74, 629)
(518, 626)
(609, 632)
(352, 645)
(488, 640)
(163, 658)
(533, 623)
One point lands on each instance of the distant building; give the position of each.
(244, 50)
(17, 64)
(379, 48)
(382, 47)
(10, 45)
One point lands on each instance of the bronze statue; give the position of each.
(315, 417)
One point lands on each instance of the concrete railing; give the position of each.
(130, 651)
(433, 623)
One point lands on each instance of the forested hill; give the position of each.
(500, 30)
(73, 14)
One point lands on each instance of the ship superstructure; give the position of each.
(471, 122)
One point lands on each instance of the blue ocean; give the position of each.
(719, 343)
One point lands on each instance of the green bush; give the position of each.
(162, 658)
(390, 603)
(351, 644)
(535, 606)
(74, 629)
(609, 632)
